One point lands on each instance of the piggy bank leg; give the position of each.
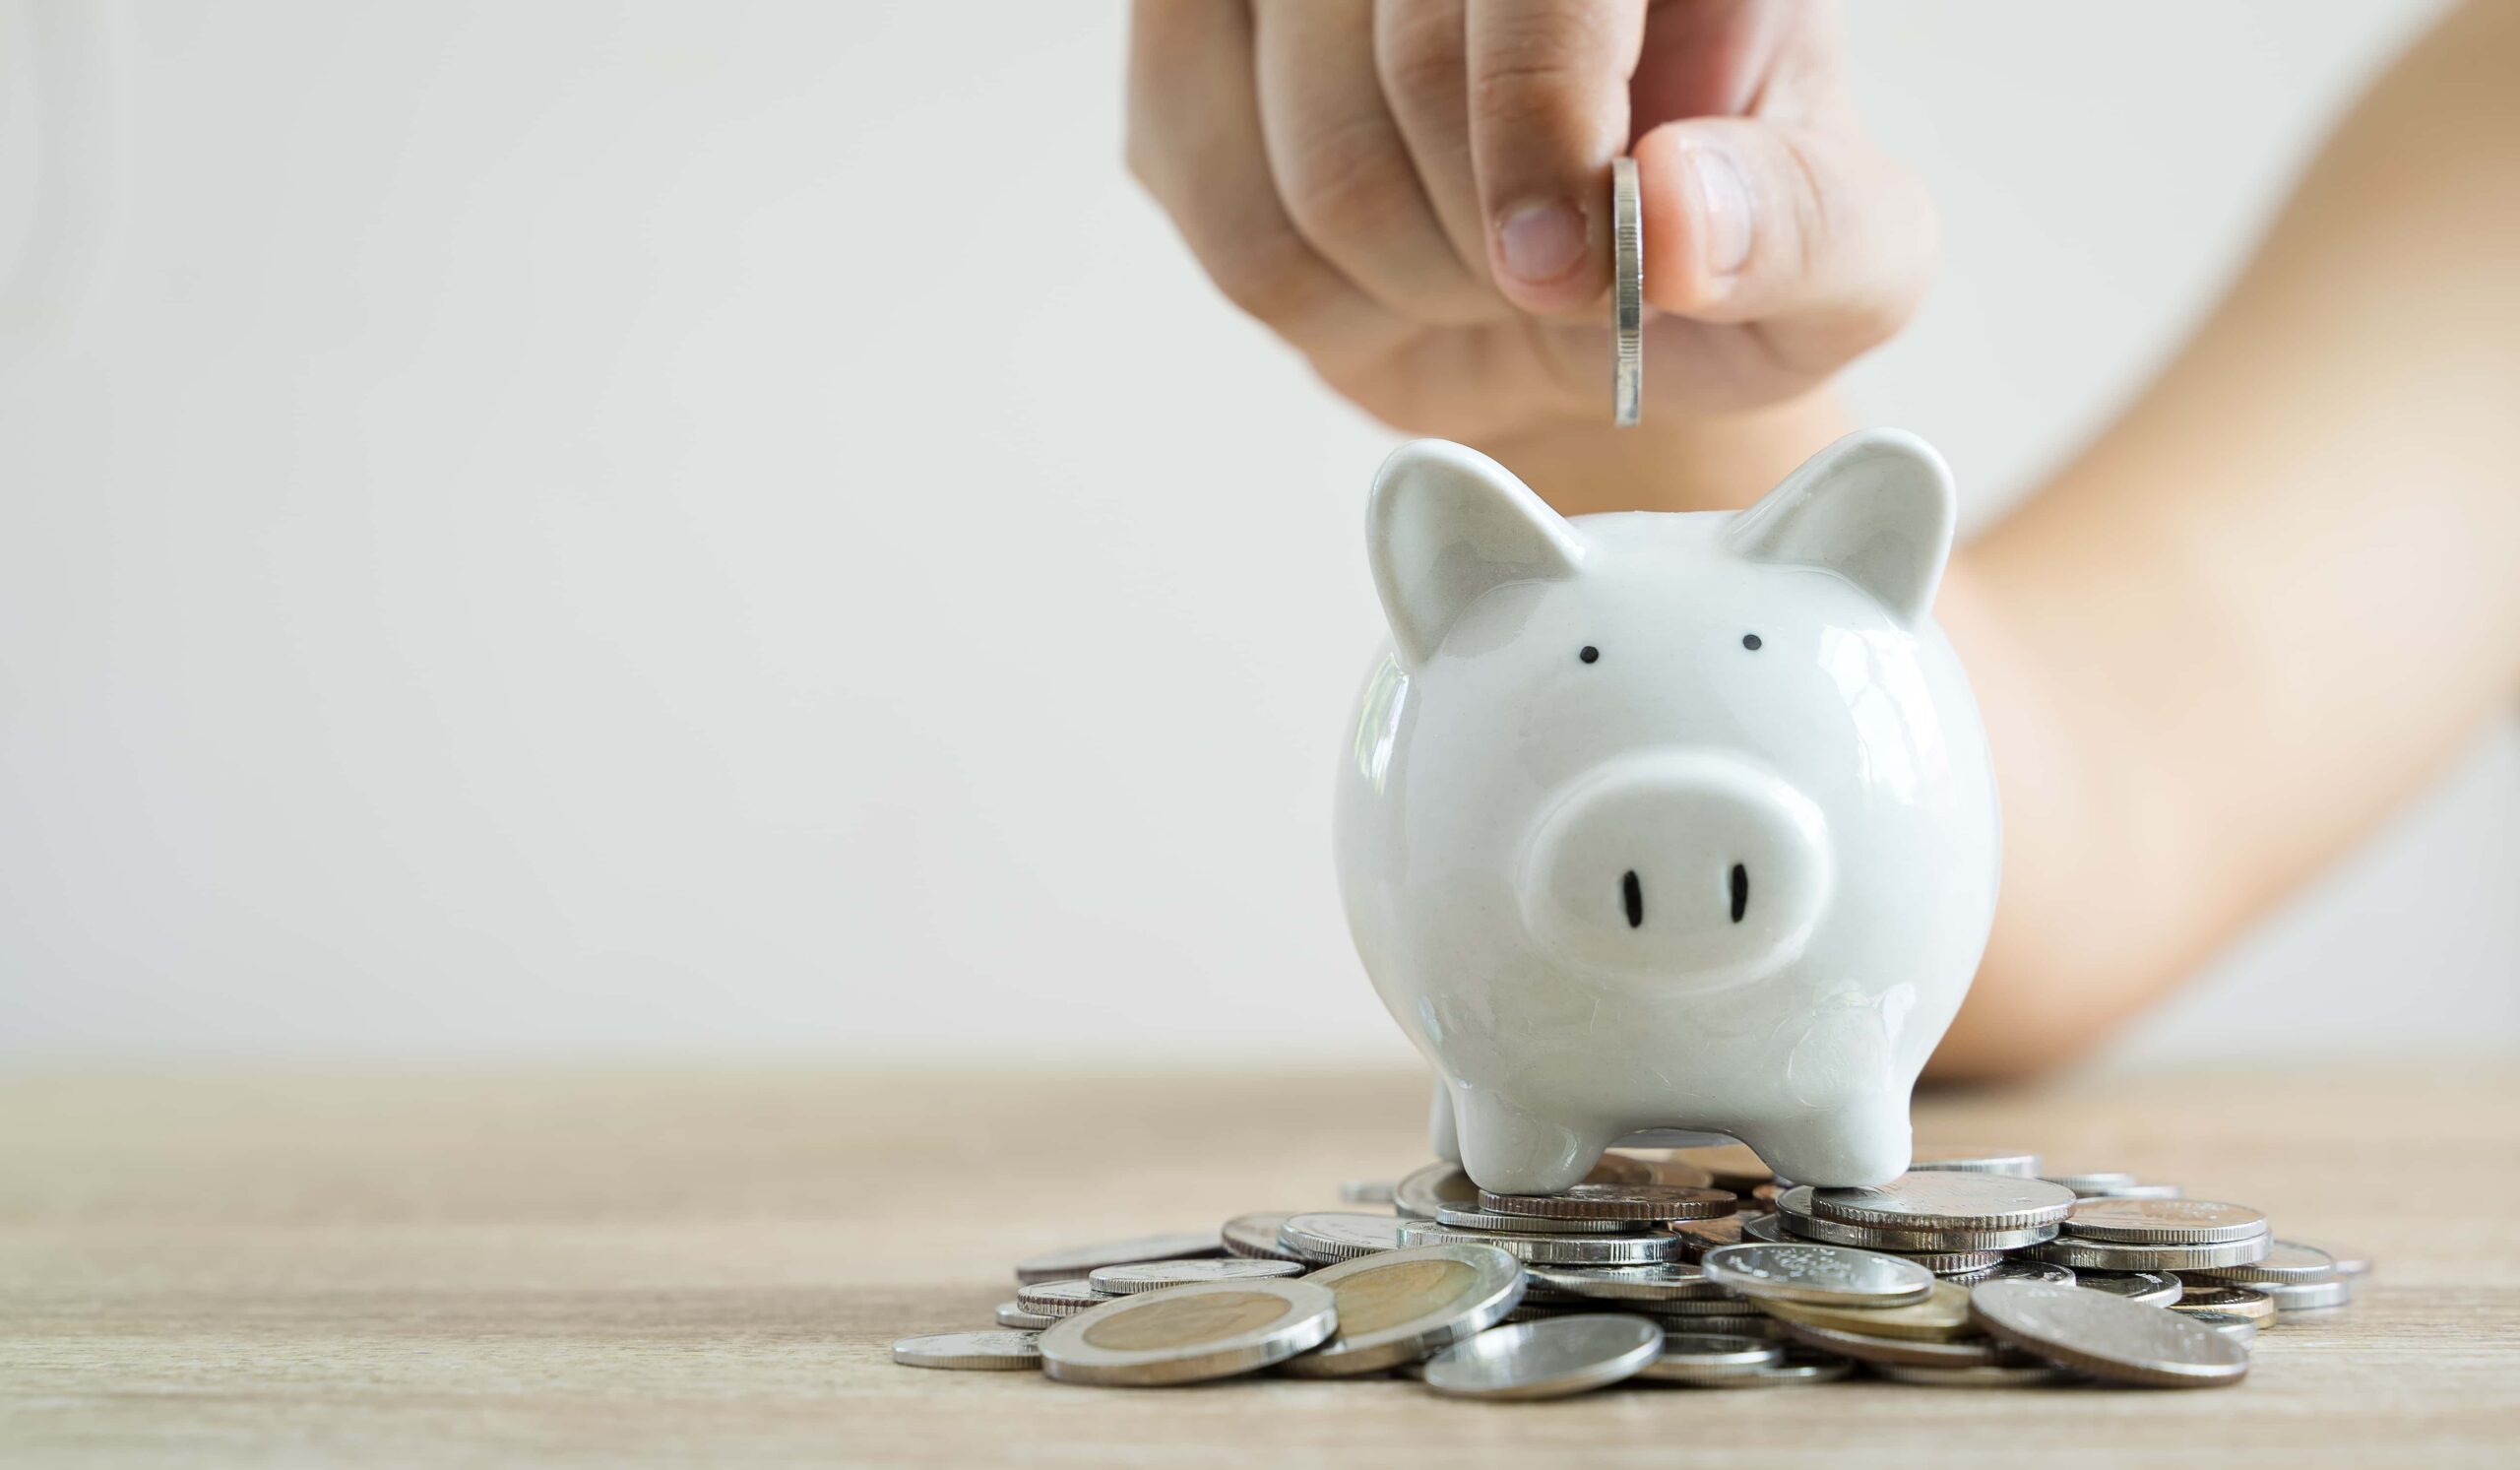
(1508, 1150)
(1855, 1144)
(1441, 1134)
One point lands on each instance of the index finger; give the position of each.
(1548, 109)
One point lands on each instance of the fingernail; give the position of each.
(1541, 242)
(1723, 209)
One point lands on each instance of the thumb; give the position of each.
(1749, 221)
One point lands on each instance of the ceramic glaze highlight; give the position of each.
(1661, 821)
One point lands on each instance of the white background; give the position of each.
(664, 526)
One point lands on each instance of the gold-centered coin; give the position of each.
(1182, 1322)
(1942, 1317)
(1188, 1334)
(1400, 1305)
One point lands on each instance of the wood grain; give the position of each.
(706, 1266)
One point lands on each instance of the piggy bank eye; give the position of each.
(1589, 654)
(1750, 641)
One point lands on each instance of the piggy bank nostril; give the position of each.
(1741, 891)
(1632, 892)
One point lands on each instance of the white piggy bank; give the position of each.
(1668, 822)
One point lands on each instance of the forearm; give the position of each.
(2281, 591)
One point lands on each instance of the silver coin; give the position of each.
(1723, 1305)
(2021, 1268)
(1667, 1281)
(1154, 1275)
(1940, 1317)
(1529, 1311)
(1983, 1375)
(2230, 1323)
(1968, 1352)
(1913, 1242)
(1686, 1316)
(2350, 1262)
(1710, 1360)
(2106, 1337)
(2134, 1192)
(1013, 1314)
(1761, 1229)
(2164, 1222)
(1947, 1200)
(1546, 1359)
(1326, 1236)
(1796, 1219)
(1399, 1306)
(1829, 1276)
(2096, 1183)
(2306, 1296)
(1257, 1237)
(1426, 1190)
(985, 1351)
(1633, 1248)
(1471, 1217)
(1060, 1298)
(1422, 1192)
(1940, 1262)
(1799, 1366)
(1641, 1203)
(1366, 1192)
(1742, 1322)
(1975, 1160)
(2206, 1294)
(2282, 1260)
(1189, 1334)
(1627, 294)
(2151, 1288)
(1954, 1264)
(2119, 1255)
(1059, 1266)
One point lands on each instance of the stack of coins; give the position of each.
(1690, 1266)
(1954, 1223)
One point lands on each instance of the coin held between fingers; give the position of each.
(1627, 294)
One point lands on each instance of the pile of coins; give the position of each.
(1692, 1266)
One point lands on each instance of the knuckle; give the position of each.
(1520, 90)
(1420, 58)
(1268, 274)
(1342, 181)
(1532, 59)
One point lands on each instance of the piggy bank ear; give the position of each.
(1876, 508)
(1446, 526)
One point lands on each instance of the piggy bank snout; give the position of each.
(1685, 865)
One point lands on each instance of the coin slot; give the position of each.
(1632, 892)
(1741, 891)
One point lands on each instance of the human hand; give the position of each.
(1416, 195)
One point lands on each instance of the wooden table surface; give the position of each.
(706, 1266)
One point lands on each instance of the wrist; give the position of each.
(1669, 462)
